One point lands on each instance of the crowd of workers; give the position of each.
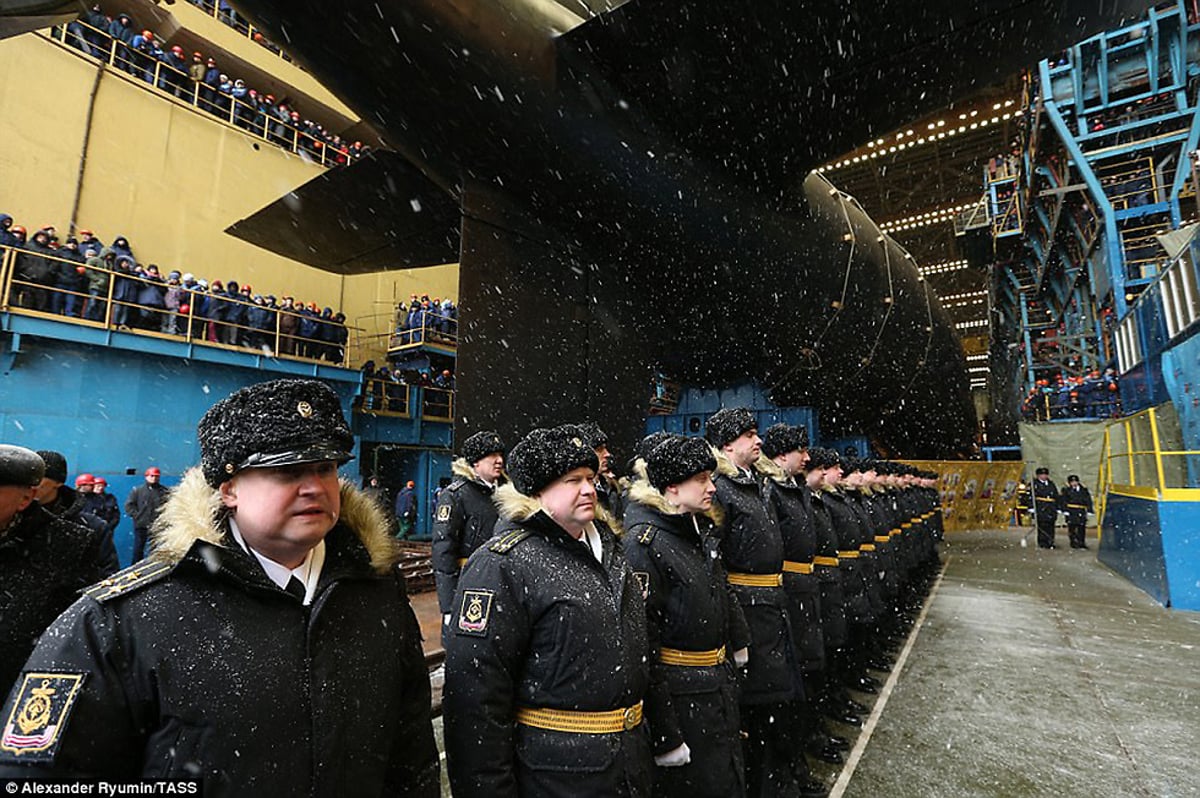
(1094, 396)
(84, 278)
(197, 79)
(425, 320)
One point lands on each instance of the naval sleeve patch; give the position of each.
(443, 512)
(39, 714)
(474, 612)
(643, 579)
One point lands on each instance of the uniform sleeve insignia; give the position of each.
(643, 578)
(647, 535)
(443, 513)
(474, 613)
(122, 582)
(504, 543)
(39, 714)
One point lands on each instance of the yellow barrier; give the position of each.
(975, 495)
(1143, 457)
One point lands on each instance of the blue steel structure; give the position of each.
(117, 402)
(1093, 217)
(697, 404)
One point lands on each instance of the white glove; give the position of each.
(741, 657)
(674, 758)
(446, 619)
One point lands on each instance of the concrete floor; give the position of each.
(1038, 673)
(1034, 673)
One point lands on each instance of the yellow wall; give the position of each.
(169, 178)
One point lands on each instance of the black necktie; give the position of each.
(296, 588)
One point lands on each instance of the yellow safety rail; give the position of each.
(154, 75)
(1143, 458)
(98, 303)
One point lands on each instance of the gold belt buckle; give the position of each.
(631, 718)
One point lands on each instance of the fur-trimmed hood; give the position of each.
(193, 511)
(516, 506)
(642, 492)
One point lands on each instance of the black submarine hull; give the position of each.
(635, 192)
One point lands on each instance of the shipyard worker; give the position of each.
(406, 508)
(44, 560)
(696, 628)
(1076, 503)
(546, 649)
(104, 505)
(752, 552)
(465, 518)
(71, 505)
(267, 648)
(1045, 507)
(142, 506)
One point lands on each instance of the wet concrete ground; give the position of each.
(1038, 673)
(1034, 673)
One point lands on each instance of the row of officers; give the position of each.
(268, 645)
(695, 647)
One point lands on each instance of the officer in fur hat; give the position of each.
(1045, 507)
(1076, 503)
(466, 515)
(546, 649)
(266, 647)
(697, 630)
(752, 551)
(44, 560)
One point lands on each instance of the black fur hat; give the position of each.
(591, 433)
(544, 455)
(783, 438)
(56, 465)
(677, 459)
(821, 458)
(282, 422)
(480, 445)
(728, 424)
(20, 466)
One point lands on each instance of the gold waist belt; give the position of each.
(847, 555)
(754, 580)
(696, 659)
(569, 720)
(462, 561)
(1076, 506)
(906, 526)
(867, 547)
(830, 561)
(797, 567)
(882, 538)
(1046, 499)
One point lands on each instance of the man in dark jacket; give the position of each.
(70, 505)
(752, 550)
(546, 650)
(44, 561)
(103, 505)
(695, 624)
(406, 509)
(35, 273)
(1076, 503)
(1045, 507)
(268, 648)
(466, 516)
(142, 507)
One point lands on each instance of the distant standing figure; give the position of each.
(406, 508)
(1076, 503)
(1045, 507)
(142, 506)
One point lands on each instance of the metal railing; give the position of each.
(432, 329)
(261, 121)
(45, 285)
(437, 404)
(385, 397)
(1144, 456)
(225, 14)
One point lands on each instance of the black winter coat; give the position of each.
(751, 544)
(539, 622)
(829, 577)
(849, 536)
(75, 507)
(1076, 503)
(196, 664)
(690, 608)
(1045, 500)
(44, 562)
(144, 502)
(465, 519)
(793, 507)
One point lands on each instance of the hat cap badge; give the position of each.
(577, 442)
(304, 409)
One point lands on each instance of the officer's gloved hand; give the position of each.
(741, 657)
(675, 758)
(446, 619)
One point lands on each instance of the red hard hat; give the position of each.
(177, 50)
(153, 471)
(102, 481)
(147, 34)
(16, 228)
(85, 232)
(84, 479)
